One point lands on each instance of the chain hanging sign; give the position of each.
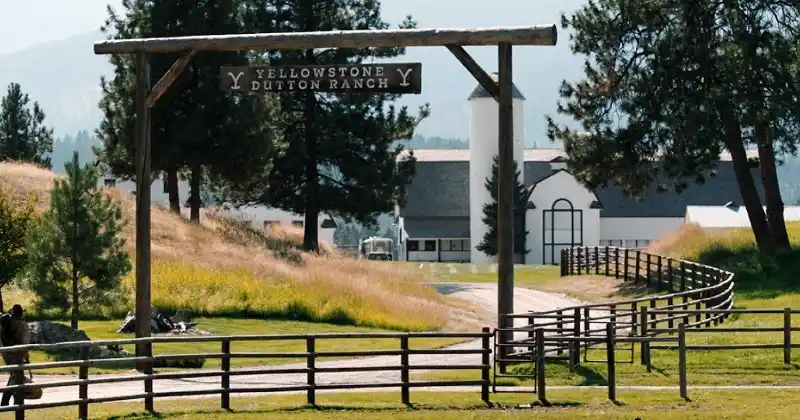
(379, 78)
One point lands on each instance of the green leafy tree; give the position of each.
(488, 244)
(23, 135)
(75, 248)
(15, 218)
(198, 132)
(340, 155)
(685, 80)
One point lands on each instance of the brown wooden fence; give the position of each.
(311, 356)
(683, 286)
(699, 298)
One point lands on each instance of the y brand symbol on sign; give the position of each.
(235, 79)
(404, 75)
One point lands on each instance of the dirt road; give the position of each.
(483, 296)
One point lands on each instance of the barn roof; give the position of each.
(438, 197)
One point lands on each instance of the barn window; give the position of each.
(430, 245)
(412, 245)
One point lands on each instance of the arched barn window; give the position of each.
(562, 227)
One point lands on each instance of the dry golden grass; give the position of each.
(223, 268)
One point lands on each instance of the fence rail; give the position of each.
(311, 356)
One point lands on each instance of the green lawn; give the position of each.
(565, 405)
(104, 330)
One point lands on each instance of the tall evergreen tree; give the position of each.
(684, 80)
(75, 249)
(23, 135)
(340, 157)
(488, 244)
(197, 130)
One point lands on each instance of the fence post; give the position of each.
(226, 374)
(586, 332)
(685, 300)
(563, 262)
(648, 267)
(575, 345)
(683, 276)
(660, 274)
(83, 388)
(404, 391)
(606, 262)
(682, 359)
(670, 278)
(699, 317)
(616, 262)
(560, 330)
(625, 266)
(311, 396)
(486, 346)
(540, 379)
(653, 322)
(596, 260)
(148, 382)
(610, 346)
(645, 344)
(787, 336)
(671, 319)
(636, 275)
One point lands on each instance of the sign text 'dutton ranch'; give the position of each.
(381, 78)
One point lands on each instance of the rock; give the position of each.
(46, 332)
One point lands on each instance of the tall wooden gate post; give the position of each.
(143, 176)
(505, 186)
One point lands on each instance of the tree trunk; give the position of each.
(2, 308)
(747, 186)
(194, 197)
(772, 191)
(75, 297)
(173, 191)
(310, 225)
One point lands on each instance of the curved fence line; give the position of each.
(695, 295)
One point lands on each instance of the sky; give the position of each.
(54, 20)
(538, 71)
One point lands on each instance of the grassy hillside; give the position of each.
(757, 276)
(225, 268)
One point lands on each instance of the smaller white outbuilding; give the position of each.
(729, 216)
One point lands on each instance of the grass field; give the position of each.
(223, 268)
(566, 405)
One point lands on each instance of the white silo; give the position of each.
(483, 133)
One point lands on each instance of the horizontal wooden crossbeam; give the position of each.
(542, 35)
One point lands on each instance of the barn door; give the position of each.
(562, 228)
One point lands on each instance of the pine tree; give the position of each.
(23, 135)
(198, 132)
(340, 155)
(75, 249)
(684, 80)
(488, 244)
(15, 218)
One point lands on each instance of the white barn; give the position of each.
(442, 218)
(258, 216)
